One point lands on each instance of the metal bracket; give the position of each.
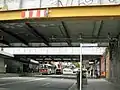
(80, 36)
(1, 37)
(47, 12)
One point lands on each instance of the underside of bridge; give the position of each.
(58, 33)
(66, 26)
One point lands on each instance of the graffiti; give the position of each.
(112, 1)
(14, 4)
(53, 2)
(56, 2)
(85, 2)
(89, 1)
(97, 2)
(11, 1)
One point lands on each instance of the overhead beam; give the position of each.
(37, 34)
(67, 34)
(14, 35)
(5, 42)
(72, 12)
(97, 28)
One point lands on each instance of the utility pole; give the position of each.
(21, 3)
(80, 66)
(57, 3)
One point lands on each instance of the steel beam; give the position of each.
(14, 35)
(72, 12)
(97, 28)
(2, 40)
(5, 42)
(67, 34)
(37, 34)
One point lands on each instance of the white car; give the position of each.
(67, 71)
(76, 70)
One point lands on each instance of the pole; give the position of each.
(40, 3)
(58, 3)
(78, 2)
(80, 66)
(21, 4)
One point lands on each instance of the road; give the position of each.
(34, 83)
(58, 76)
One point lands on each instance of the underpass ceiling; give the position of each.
(4, 56)
(58, 33)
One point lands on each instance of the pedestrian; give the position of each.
(96, 73)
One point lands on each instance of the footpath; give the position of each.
(99, 84)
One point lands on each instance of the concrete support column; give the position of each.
(111, 71)
(115, 66)
(114, 70)
(2, 67)
(118, 70)
(115, 63)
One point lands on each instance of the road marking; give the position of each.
(4, 88)
(62, 78)
(73, 87)
(21, 81)
(45, 84)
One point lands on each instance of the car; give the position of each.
(84, 76)
(59, 71)
(76, 70)
(67, 71)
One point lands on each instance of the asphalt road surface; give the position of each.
(33, 83)
(57, 76)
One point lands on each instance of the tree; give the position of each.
(76, 64)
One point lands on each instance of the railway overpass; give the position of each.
(64, 27)
(56, 53)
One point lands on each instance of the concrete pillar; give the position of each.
(115, 63)
(118, 71)
(2, 67)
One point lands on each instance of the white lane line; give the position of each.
(45, 84)
(21, 81)
(62, 78)
(73, 87)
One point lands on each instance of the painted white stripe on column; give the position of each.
(34, 13)
(42, 13)
(27, 14)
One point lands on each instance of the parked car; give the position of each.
(84, 76)
(76, 70)
(59, 71)
(67, 71)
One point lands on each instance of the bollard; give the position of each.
(84, 79)
(78, 80)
